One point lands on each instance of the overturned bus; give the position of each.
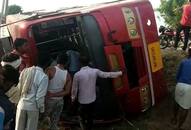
(117, 35)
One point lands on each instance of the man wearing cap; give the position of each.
(14, 61)
(11, 59)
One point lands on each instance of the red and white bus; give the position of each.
(118, 35)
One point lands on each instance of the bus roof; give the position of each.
(36, 17)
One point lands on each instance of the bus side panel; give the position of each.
(151, 35)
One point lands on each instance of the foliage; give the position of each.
(14, 9)
(171, 11)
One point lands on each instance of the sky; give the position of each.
(29, 5)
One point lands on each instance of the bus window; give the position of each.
(58, 35)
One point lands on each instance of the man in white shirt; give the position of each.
(33, 83)
(84, 85)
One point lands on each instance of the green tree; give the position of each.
(171, 11)
(14, 9)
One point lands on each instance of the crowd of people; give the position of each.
(32, 92)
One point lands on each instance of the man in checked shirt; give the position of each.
(84, 86)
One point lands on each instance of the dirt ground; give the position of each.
(159, 116)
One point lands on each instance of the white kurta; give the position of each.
(183, 95)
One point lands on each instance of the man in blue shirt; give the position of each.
(74, 63)
(183, 91)
(183, 74)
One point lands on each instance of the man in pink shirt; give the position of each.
(84, 89)
(185, 25)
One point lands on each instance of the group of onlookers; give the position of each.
(27, 92)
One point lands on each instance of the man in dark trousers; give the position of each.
(185, 25)
(84, 86)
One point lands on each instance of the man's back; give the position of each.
(74, 64)
(87, 84)
(184, 73)
(85, 81)
(186, 15)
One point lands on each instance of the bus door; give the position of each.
(141, 82)
(112, 52)
(124, 48)
(116, 62)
